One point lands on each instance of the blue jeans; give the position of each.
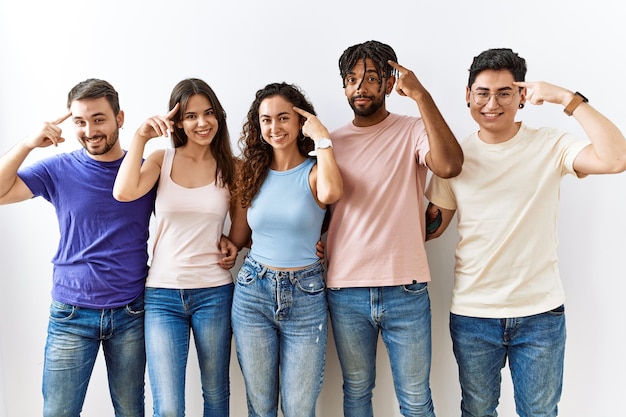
(535, 348)
(74, 338)
(280, 323)
(401, 314)
(171, 316)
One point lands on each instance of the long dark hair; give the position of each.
(220, 146)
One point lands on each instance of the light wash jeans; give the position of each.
(74, 338)
(535, 348)
(401, 315)
(280, 323)
(171, 316)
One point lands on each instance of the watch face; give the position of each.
(324, 143)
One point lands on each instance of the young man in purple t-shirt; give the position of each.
(101, 261)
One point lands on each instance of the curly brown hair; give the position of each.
(257, 155)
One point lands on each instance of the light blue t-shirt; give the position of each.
(285, 219)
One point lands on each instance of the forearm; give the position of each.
(329, 180)
(240, 232)
(445, 157)
(126, 187)
(9, 165)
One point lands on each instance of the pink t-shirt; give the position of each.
(189, 225)
(376, 233)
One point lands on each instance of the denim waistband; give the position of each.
(262, 270)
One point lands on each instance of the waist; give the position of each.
(263, 269)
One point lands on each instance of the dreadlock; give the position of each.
(378, 52)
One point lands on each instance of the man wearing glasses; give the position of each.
(508, 300)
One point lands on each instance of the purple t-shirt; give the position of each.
(101, 260)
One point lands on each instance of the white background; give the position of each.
(144, 47)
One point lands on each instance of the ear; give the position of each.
(468, 93)
(390, 82)
(522, 95)
(120, 119)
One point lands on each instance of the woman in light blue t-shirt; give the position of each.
(279, 312)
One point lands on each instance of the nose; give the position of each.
(89, 130)
(274, 126)
(492, 101)
(202, 120)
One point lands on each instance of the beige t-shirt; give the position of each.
(189, 225)
(506, 199)
(376, 232)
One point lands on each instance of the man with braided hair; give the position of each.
(377, 267)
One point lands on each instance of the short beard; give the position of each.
(375, 105)
(110, 142)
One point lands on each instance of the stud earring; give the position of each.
(521, 105)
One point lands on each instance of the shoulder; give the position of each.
(158, 155)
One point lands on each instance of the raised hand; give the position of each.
(49, 134)
(540, 91)
(407, 84)
(157, 126)
(312, 127)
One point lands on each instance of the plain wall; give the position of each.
(145, 47)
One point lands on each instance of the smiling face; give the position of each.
(280, 124)
(97, 128)
(495, 118)
(198, 120)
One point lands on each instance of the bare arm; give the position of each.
(12, 188)
(445, 158)
(327, 183)
(240, 232)
(607, 152)
(134, 178)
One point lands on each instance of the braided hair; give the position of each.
(378, 52)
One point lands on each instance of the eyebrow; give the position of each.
(193, 112)
(499, 89)
(279, 114)
(91, 116)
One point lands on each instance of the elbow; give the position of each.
(121, 196)
(330, 196)
(620, 164)
(449, 171)
(447, 168)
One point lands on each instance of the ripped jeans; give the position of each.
(280, 325)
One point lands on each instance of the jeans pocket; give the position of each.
(136, 307)
(313, 284)
(247, 275)
(416, 287)
(61, 312)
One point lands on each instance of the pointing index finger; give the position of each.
(302, 112)
(62, 119)
(397, 66)
(172, 112)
